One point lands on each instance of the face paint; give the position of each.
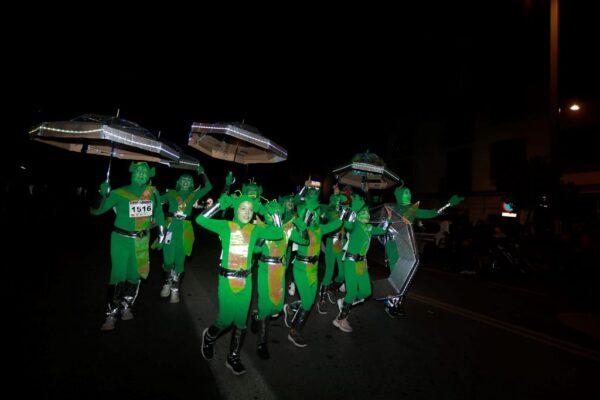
(403, 196)
(140, 175)
(186, 184)
(289, 205)
(364, 216)
(245, 211)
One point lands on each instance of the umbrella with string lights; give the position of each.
(105, 136)
(366, 171)
(236, 142)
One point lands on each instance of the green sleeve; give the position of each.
(106, 204)
(297, 238)
(269, 232)
(218, 226)
(349, 226)
(378, 231)
(202, 191)
(331, 226)
(426, 214)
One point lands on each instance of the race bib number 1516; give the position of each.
(142, 208)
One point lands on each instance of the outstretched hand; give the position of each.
(229, 179)
(357, 203)
(200, 169)
(104, 188)
(225, 201)
(273, 207)
(455, 199)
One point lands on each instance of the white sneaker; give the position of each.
(126, 314)
(292, 289)
(166, 291)
(343, 325)
(174, 297)
(343, 288)
(109, 324)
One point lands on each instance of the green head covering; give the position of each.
(252, 189)
(141, 172)
(180, 183)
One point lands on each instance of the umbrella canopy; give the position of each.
(185, 162)
(235, 142)
(106, 136)
(366, 171)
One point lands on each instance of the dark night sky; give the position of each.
(306, 85)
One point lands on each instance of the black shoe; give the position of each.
(322, 307)
(394, 312)
(207, 346)
(235, 365)
(263, 351)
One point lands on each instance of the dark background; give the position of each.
(324, 84)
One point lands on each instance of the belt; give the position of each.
(181, 217)
(307, 260)
(133, 234)
(234, 273)
(271, 260)
(355, 257)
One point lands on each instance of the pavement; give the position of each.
(55, 305)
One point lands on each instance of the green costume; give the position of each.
(358, 282)
(272, 266)
(333, 251)
(135, 206)
(409, 211)
(305, 268)
(238, 238)
(179, 239)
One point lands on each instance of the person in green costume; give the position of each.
(333, 250)
(135, 205)
(179, 239)
(272, 265)
(305, 269)
(289, 207)
(238, 238)
(410, 211)
(356, 272)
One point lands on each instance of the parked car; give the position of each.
(431, 234)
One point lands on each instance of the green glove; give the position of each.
(455, 199)
(104, 189)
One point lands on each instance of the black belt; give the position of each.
(355, 257)
(271, 260)
(180, 216)
(308, 260)
(133, 234)
(234, 273)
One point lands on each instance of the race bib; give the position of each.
(142, 208)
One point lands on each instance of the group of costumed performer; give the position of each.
(135, 206)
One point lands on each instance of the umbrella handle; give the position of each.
(112, 149)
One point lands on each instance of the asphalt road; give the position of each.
(461, 338)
